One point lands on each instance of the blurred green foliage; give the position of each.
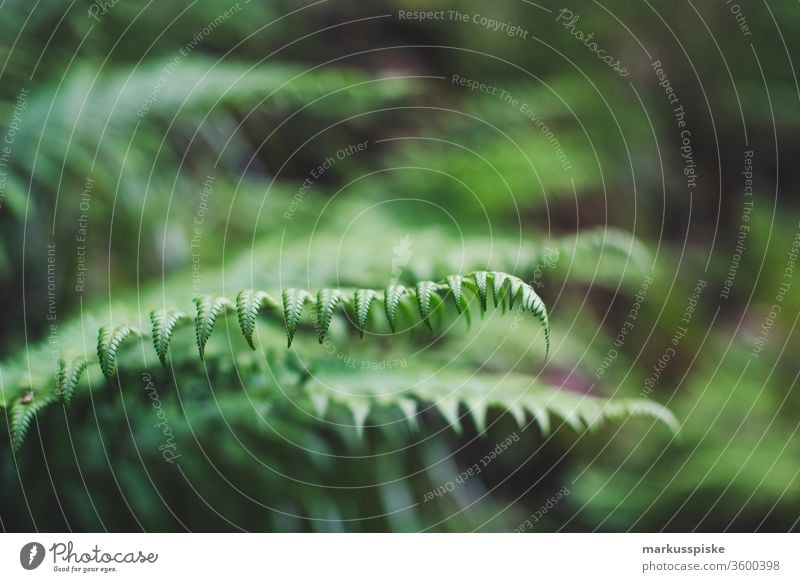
(566, 175)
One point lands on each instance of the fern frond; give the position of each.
(327, 300)
(164, 322)
(480, 278)
(478, 410)
(454, 286)
(408, 407)
(428, 295)
(69, 374)
(248, 304)
(392, 296)
(498, 287)
(450, 390)
(23, 411)
(448, 408)
(108, 341)
(533, 303)
(507, 289)
(320, 403)
(425, 290)
(208, 308)
(293, 302)
(360, 410)
(362, 300)
(515, 291)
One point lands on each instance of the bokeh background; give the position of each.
(638, 160)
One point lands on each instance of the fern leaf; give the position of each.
(498, 287)
(360, 411)
(454, 284)
(208, 308)
(320, 401)
(515, 290)
(480, 278)
(327, 300)
(22, 414)
(69, 374)
(408, 407)
(530, 301)
(425, 289)
(363, 299)
(533, 303)
(392, 297)
(478, 410)
(640, 407)
(164, 322)
(448, 407)
(516, 394)
(108, 341)
(539, 412)
(518, 413)
(248, 304)
(293, 302)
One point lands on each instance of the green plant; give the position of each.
(331, 432)
(423, 302)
